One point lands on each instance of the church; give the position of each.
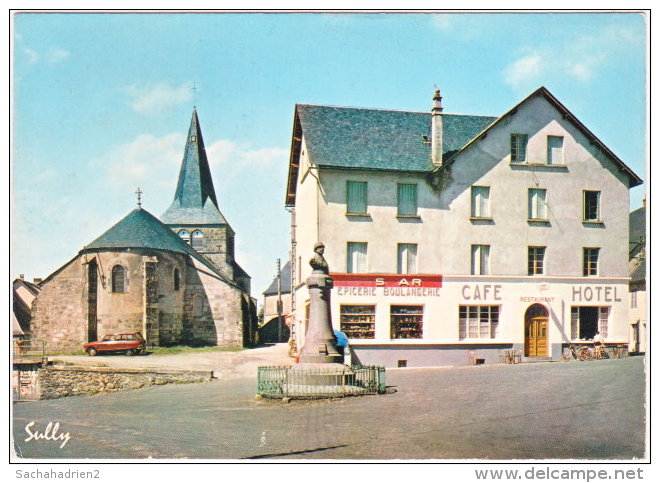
(174, 279)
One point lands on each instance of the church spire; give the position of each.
(194, 200)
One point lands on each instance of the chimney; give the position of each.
(436, 129)
(22, 276)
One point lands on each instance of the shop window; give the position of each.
(478, 321)
(356, 257)
(555, 150)
(518, 148)
(535, 259)
(356, 197)
(406, 321)
(480, 259)
(407, 258)
(586, 321)
(197, 240)
(406, 199)
(536, 206)
(480, 202)
(358, 321)
(591, 206)
(590, 262)
(118, 279)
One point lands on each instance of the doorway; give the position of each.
(536, 331)
(92, 297)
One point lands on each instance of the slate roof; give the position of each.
(380, 139)
(285, 276)
(141, 229)
(194, 202)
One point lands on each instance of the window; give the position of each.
(480, 256)
(633, 300)
(185, 236)
(358, 321)
(407, 199)
(356, 197)
(591, 205)
(478, 321)
(518, 148)
(197, 239)
(590, 262)
(407, 258)
(535, 256)
(177, 279)
(406, 321)
(118, 279)
(536, 204)
(480, 202)
(555, 150)
(586, 321)
(356, 257)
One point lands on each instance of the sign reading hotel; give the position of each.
(373, 285)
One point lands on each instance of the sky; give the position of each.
(102, 102)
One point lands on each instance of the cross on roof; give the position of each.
(194, 89)
(139, 197)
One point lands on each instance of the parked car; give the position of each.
(128, 342)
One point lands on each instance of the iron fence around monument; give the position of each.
(299, 382)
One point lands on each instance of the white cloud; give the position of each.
(51, 56)
(143, 160)
(225, 152)
(153, 98)
(581, 59)
(523, 70)
(441, 21)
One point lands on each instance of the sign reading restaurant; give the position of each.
(369, 284)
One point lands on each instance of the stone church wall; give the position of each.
(59, 312)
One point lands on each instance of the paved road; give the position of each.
(563, 410)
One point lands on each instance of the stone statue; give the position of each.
(317, 262)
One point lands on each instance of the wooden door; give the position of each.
(92, 297)
(536, 337)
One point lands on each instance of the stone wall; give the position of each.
(55, 382)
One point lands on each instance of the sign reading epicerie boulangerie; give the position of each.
(374, 285)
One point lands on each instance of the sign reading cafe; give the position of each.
(372, 285)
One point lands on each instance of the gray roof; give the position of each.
(380, 139)
(285, 277)
(194, 202)
(141, 229)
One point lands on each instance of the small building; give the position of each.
(176, 280)
(453, 239)
(277, 308)
(637, 265)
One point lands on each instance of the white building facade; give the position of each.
(454, 238)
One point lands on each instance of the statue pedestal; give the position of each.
(320, 340)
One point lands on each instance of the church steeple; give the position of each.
(194, 200)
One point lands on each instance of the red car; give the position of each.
(128, 342)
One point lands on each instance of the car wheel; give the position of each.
(130, 352)
(91, 352)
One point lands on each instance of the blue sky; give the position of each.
(102, 104)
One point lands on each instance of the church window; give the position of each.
(197, 239)
(177, 279)
(185, 236)
(118, 279)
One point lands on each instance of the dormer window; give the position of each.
(193, 138)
